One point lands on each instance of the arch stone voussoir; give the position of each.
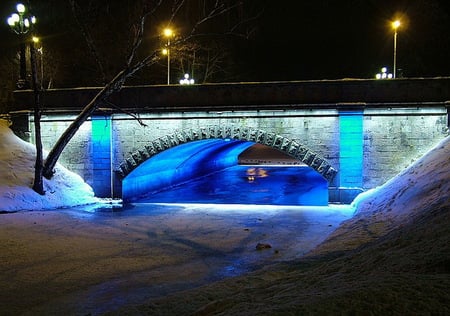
(279, 142)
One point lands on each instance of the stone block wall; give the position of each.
(77, 156)
(392, 138)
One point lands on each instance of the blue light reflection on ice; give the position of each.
(180, 164)
(292, 231)
(207, 171)
(261, 185)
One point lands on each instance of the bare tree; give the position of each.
(88, 37)
(114, 85)
(132, 63)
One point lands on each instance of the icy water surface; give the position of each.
(264, 185)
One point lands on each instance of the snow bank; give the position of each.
(17, 159)
(423, 184)
(420, 188)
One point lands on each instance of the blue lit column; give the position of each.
(101, 155)
(351, 148)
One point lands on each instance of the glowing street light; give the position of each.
(21, 23)
(168, 33)
(383, 74)
(186, 80)
(395, 26)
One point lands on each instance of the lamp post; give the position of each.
(168, 33)
(395, 26)
(20, 23)
(41, 52)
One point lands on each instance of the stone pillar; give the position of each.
(448, 114)
(101, 155)
(21, 124)
(350, 153)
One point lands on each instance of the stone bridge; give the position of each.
(355, 133)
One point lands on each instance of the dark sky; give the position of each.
(332, 39)
(338, 39)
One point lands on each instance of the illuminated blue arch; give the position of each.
(281, 143)
(210, 149)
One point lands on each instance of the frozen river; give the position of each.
(247, 184)
(195, 244)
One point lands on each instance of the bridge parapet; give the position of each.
(317, 94)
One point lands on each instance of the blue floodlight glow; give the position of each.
(181, 164)
(101, 155)
(351, 149)
(207, 171)
(257, 185)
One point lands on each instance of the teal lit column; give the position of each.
(351, 149)
(101, 155)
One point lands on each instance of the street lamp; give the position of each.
(383, 74)
(186, 80)
(395, 26)
(21, 23)
(168, 33)
(41, 52)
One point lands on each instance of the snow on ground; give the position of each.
(17, 159)
(391, 258)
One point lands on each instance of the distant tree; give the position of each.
(6, 84)
(9, 65)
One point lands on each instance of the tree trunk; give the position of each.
(55, 153)
(64, 139)
(38, 184)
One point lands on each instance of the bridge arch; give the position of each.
(279, 142)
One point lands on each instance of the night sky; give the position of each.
(340, 39)
(322, 39)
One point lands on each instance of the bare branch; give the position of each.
(246, 21)
(88, 38)
(114, 85)
(216, 11)
(139, 31)
(135, 116)
(177, 5)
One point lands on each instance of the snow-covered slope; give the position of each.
(17, 159)
(420, 188)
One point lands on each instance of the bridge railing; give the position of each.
(321, 94)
